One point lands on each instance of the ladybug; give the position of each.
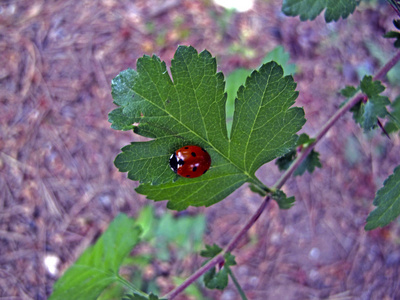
(190, 161)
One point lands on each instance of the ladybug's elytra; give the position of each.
(190, 161)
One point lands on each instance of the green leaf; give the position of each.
(185, 233)
(282, 58)
(211, 251)
(258, 190)
(190, 109)
(219, 280)
(387, 202)
(146, 221)
(283, 201)
(119, 120)
(98, 266)
(304, 140)
(310, 9)
(285, 161)
(394, 124)
(370, 87)
(392, 34)
(367, 113)
(212, 278)
(349, 91)
(309, 164)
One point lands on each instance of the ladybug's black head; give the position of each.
(173, 162)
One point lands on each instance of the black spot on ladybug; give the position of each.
(186, 147)
(188, 176)
(194, 169)
(193, 154)
(181, 162)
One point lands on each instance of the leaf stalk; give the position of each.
(237, 284)
(387, 67)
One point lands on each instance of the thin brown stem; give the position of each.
(321, 133)
(387, 67)
(220, 257)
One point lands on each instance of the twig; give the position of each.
(386, 68)
(236, 283)
(220, 257)
(303, 154)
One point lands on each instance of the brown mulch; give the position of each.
(59, 188)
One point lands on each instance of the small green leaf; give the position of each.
(370, 87)
(394, 124)
(309, 164)
(119, 120)
(98, 266)
(189, 109)
(258, 190)
(304, 140)
(367, 113)
(310, 9)
(210, 251)
(283, 201)
(387, 202)
(146, 221)
(185, 233)
(349, 91)
(282, 58)
(395, 34)
(285, 161)
(392, 34)
(216, 280)
(219, 280)
(212, 278)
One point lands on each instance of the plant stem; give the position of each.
(239, 288)
(303, 154)
(220, 257)
(386, 68)
(280, 182)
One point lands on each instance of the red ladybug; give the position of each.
(190, 161)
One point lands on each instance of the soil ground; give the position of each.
(59, 188)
